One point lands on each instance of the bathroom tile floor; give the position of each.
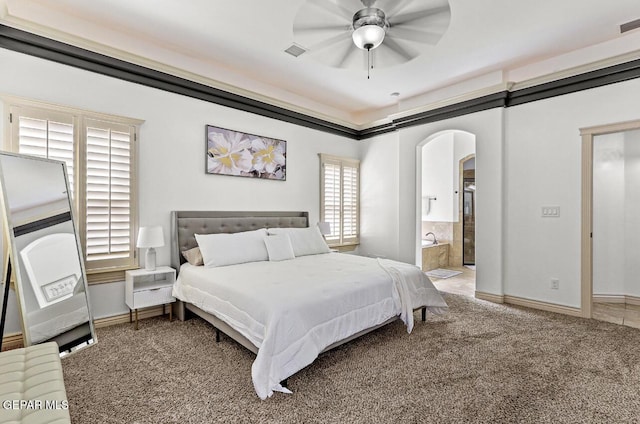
(464, 284)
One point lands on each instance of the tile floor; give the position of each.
(617, 313)
(464, 284)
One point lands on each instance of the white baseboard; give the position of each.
(543, 306)
(616, 298)
(124, 318)
(14, 341)
(490, 297)
(608, 298)
(534, 304)
(632, 300)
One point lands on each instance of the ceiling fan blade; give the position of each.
(397, 48)
(396, 7)
(330, 41)
(333, 8)
(414, 16)
(424, 37)
(303, 28)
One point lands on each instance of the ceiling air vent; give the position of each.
(629, 26)
(295, 50)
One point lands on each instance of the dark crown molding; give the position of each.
(35, 45)
(458, 109)
(45, 48)
(592, 79)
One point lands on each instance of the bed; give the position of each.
(289, 311)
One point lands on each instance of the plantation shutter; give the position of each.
(99, 153)
(350, 195)
(109, 224)
(46, 134)
(332, 200)
(339, 199)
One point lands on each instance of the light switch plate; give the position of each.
(550, 211)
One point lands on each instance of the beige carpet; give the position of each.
(480, 363)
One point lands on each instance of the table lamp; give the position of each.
(150, 238)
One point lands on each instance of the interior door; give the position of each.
(469, 222)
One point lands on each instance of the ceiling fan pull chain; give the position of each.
(368, 63)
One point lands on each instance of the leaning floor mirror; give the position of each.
(44, 253)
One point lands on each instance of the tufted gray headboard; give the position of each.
(184, 224)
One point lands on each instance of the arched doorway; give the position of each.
(445, 208)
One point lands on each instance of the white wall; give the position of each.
(379, 192)
(631, 212)
(487, 127)
(527, 156)
(608, 214)
(441, 174)
(171, 152)
(543, 167)
(437, 179)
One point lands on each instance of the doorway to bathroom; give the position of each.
(446, 208)
(610, 247)
(468, 188)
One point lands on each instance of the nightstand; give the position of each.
(144, 289)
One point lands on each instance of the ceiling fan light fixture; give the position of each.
(368, 37)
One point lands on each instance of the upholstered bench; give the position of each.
(31, 386)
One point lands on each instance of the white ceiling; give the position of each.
(239, 45)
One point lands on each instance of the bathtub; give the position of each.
(434, 255)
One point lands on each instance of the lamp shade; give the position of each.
(150, 237)
(325, 228)
(368, 37)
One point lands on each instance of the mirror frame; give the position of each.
(12, 257)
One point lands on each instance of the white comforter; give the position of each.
(292, 310)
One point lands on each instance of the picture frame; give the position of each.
(240, 154)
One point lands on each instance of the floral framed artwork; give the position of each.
(240, 154)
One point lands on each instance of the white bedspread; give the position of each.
(292, 310)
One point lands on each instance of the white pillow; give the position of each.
(229, 249)
(305, 241)
(279, 247)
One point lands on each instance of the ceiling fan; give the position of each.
(344, 34)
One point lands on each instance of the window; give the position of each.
(99, 151)
(340, 199)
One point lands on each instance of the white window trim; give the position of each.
(10, 103)
(342, 161)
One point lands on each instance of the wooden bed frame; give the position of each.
(186, 223)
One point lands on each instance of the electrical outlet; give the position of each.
(555, 284)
